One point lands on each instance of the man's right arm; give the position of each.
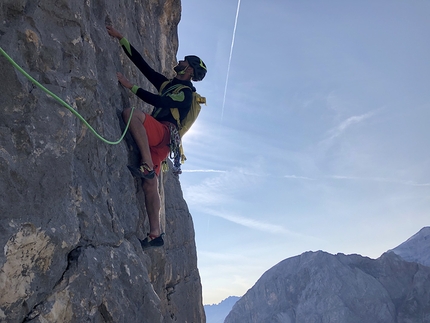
(182, 100)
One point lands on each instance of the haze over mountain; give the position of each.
(216, 313)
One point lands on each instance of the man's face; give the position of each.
(183, 63)
(182, 66)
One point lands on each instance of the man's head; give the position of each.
(192, 67)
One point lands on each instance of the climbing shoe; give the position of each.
(143, 171)
(151, 242)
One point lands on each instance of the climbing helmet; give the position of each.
(199, 67)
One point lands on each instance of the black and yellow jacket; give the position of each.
(181, 100)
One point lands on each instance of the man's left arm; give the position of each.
(154, 77)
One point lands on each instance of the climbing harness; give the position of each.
(62, 102)
(175, 145)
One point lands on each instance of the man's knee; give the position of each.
(150, 185)
(126, 113)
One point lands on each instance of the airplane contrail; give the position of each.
(229, 59)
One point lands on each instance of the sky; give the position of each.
(315, 135)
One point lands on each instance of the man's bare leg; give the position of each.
(139, 134)
(152, 201)
(149, 186)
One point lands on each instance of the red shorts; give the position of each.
(159, 139)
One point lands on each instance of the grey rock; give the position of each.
(416, 248)
(318, 287)
(71, 213)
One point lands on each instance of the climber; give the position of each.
(153, 135)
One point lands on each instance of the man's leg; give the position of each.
(149, 186)
(139, 134)
(152, 201)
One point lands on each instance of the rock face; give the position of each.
(318, 287)
(71, 212)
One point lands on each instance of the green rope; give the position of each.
(64, 103)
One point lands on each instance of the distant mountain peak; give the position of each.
(416, 248)
(216, 313)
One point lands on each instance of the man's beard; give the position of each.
(178, 69)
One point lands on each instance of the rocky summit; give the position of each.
(71, 213)
(416, 248)
(318, 287)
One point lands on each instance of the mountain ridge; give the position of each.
(319, 287)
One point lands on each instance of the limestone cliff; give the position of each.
(71, 212)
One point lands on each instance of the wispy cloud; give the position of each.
(378, 179)
(223, 256)
(358, 178)
(221, 187)
(343, 126)
(299, 177)
(259, 225)
(250, 223)
(203, 171)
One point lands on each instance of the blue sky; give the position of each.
(322, 140)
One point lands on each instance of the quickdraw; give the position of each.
(175, 145)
